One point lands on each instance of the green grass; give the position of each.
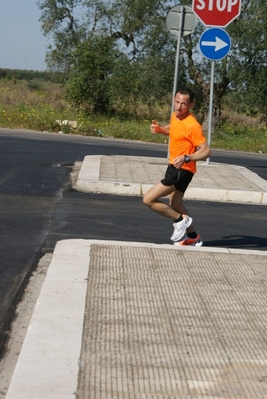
(241, 138)
(37, 106)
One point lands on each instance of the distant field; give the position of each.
(38, 104)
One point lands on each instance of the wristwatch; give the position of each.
(186, 159)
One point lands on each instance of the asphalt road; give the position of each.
(110, 217)
(39, 207)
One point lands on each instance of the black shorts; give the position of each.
(180, 178)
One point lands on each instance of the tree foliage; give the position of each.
(117, 51)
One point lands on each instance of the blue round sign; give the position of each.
(215, 43)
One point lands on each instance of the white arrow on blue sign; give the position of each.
(215, 43)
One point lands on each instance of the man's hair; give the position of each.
(186, 91)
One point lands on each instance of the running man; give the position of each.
(187, 145)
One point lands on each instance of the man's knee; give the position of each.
(176, 199)
(152, 196)
(147, 201)
(175, 204)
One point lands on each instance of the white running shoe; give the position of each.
(180, 228)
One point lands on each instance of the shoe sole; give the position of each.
(197, 244)
(183, 241)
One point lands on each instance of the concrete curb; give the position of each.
(48, 364)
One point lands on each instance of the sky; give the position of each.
(22, 44)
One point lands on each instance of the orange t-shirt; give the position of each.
(185, 136)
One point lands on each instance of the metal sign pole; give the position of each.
(180, 33)
(181, 21)
(211, 105)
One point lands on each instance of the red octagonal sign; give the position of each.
(217, 12)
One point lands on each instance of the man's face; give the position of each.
(182, 105)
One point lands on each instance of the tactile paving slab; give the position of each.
(174, 324)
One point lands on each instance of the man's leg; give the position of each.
(176, 202)
(191, 238)
(151, 199)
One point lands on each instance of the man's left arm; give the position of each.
(203, 152)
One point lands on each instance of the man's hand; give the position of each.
(154, 127)
(178, 162)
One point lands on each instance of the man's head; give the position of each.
(183, 101)
(186, 91)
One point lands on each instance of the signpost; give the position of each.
(214, 43)
(217, 12)
(181, 21)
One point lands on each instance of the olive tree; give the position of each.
(144, 49)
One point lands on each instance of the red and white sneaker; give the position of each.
(195, 242)
(179, 230)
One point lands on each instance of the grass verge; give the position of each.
(37, 105)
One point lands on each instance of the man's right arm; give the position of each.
(156, 128)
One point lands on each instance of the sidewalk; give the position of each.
(122, 320)
(126, 175)
(132, 320)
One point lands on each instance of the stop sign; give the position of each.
(217, 12)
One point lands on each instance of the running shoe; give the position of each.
(180, 228)
(195, 242)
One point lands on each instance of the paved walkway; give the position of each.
(134, 175)
(138, 321)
